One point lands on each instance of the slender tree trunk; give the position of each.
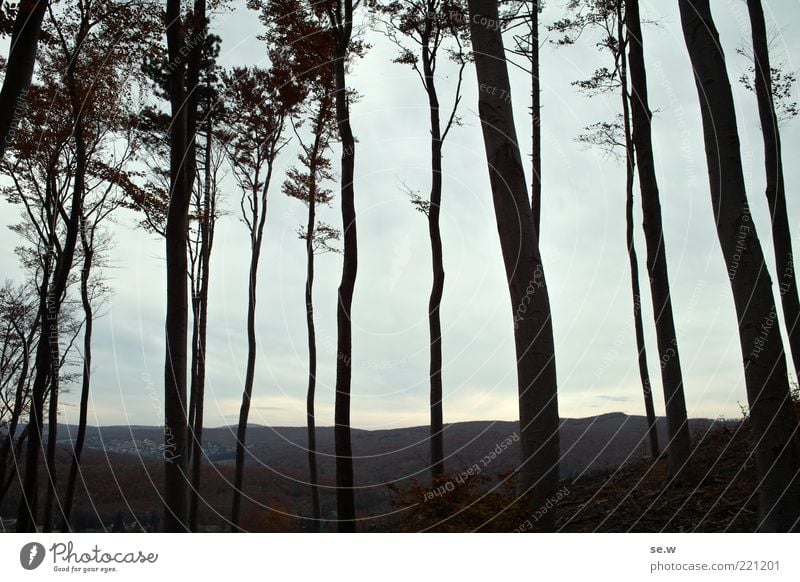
(312, 334)
(183, 107)
(679, 443)
(437, 266)
(28, 504)
(195, 302)
(206, 236)
(771, 414)
(630, 168)
(244, 411)
(176, 230)
(345, 498)
(47, 360)
(88, 254)
(52, 439)
(536, 120)
(776, 192)
(256, 237)
(19, 67)
(519, 240)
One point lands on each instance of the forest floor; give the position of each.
(719, 496)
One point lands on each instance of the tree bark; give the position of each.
(679, 443)
(88, 315)
(176, 325)
(206, 241)
(47, 359)
(536, 120)
(437, 265)
(256, 238)
(772, 417)
(775, 192)
(345, 498)
(633, 259)
(311, 328)
(19, 67)
(519, 240)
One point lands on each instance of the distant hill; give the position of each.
(383, 456)
(123, 463)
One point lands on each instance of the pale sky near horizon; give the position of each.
(583, 247)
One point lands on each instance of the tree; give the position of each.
(519, 241)
(152, 201)
(776, 189)
(679, 444)
(609, 18)
(258, 104)
(101, 56)
(19, 68)
(200, 244)
(19, 327)
(55, 274)
(305, 185)
(771, 414)
(184, 72)
(429, 24)
(527, 45)
(340, 18)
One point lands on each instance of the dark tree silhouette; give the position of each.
(19, 327)
(771, 414)
(340, 17)
(610, 136)
(519, 240)
(525, 13)
(306, 185)
(679, 444)
(776, 188)
(429, 24)
(47, 363)
(184, 48)
(258, 104)
(19, 68)
(200, 245)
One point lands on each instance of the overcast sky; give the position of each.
(583, 247)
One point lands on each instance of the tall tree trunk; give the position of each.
(29, 483)
(19, 67)
(775, 192)
(190, 415)
(345, 498)
(47, 360)
(256, 237)
(679, 443)
(206, 241)
(311, 429)
(183, 107)
(437, 266)
(519, 240)
(52, 439)
(312, 365)
(88, 315)
(244, 411)
(630, 168)
(771, 414)
(536, 120)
